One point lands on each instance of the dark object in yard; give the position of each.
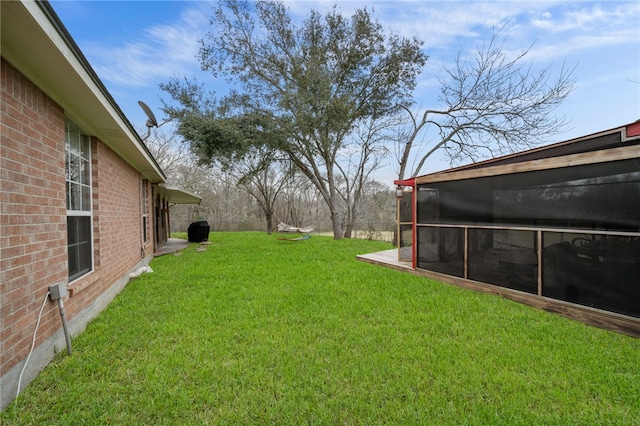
(198, 231)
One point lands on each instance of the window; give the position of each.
(145, 206)
(78, 179)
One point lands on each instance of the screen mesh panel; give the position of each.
(441, 250)
(598, 196)
(504, 257)
(587, 218)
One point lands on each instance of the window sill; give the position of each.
(82, 283)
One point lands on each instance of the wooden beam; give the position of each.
(539, 253)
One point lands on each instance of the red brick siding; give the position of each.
(33, 239)
(117, 225)
(33, 252)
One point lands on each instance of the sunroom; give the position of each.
(557, 227)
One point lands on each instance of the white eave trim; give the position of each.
(175, 195)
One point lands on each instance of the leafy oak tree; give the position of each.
(320, 83)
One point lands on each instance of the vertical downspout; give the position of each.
(65, 325)
(168, 219)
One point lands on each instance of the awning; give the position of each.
(176, 195)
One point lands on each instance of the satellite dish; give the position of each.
(151, 122)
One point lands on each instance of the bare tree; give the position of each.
(263, 176)
(262, 186)
(357, 163)
(168, 151)
(301, 204)
(178, 162)
(491, 105)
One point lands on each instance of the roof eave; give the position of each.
(35, 42)
(175, 195)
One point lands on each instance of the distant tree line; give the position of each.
(229, 203)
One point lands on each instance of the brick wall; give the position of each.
(117, 225)
(33, 239)
(32, 213)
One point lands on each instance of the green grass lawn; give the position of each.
(260, 331)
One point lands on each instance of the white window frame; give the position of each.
(83, 183)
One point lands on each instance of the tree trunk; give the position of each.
(349, 229)
(337, 226)
(269, 222)
(351, 220)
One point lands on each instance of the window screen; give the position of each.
(442, 250)
(602, 196)
(504, 257)
(586, 217)
(601, 271)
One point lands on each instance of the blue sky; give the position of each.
(136, 45)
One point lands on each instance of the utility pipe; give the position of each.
(65, 326)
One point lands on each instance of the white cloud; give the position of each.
(578, 31)
(574, 45)
(162, 52)
(589, 18)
